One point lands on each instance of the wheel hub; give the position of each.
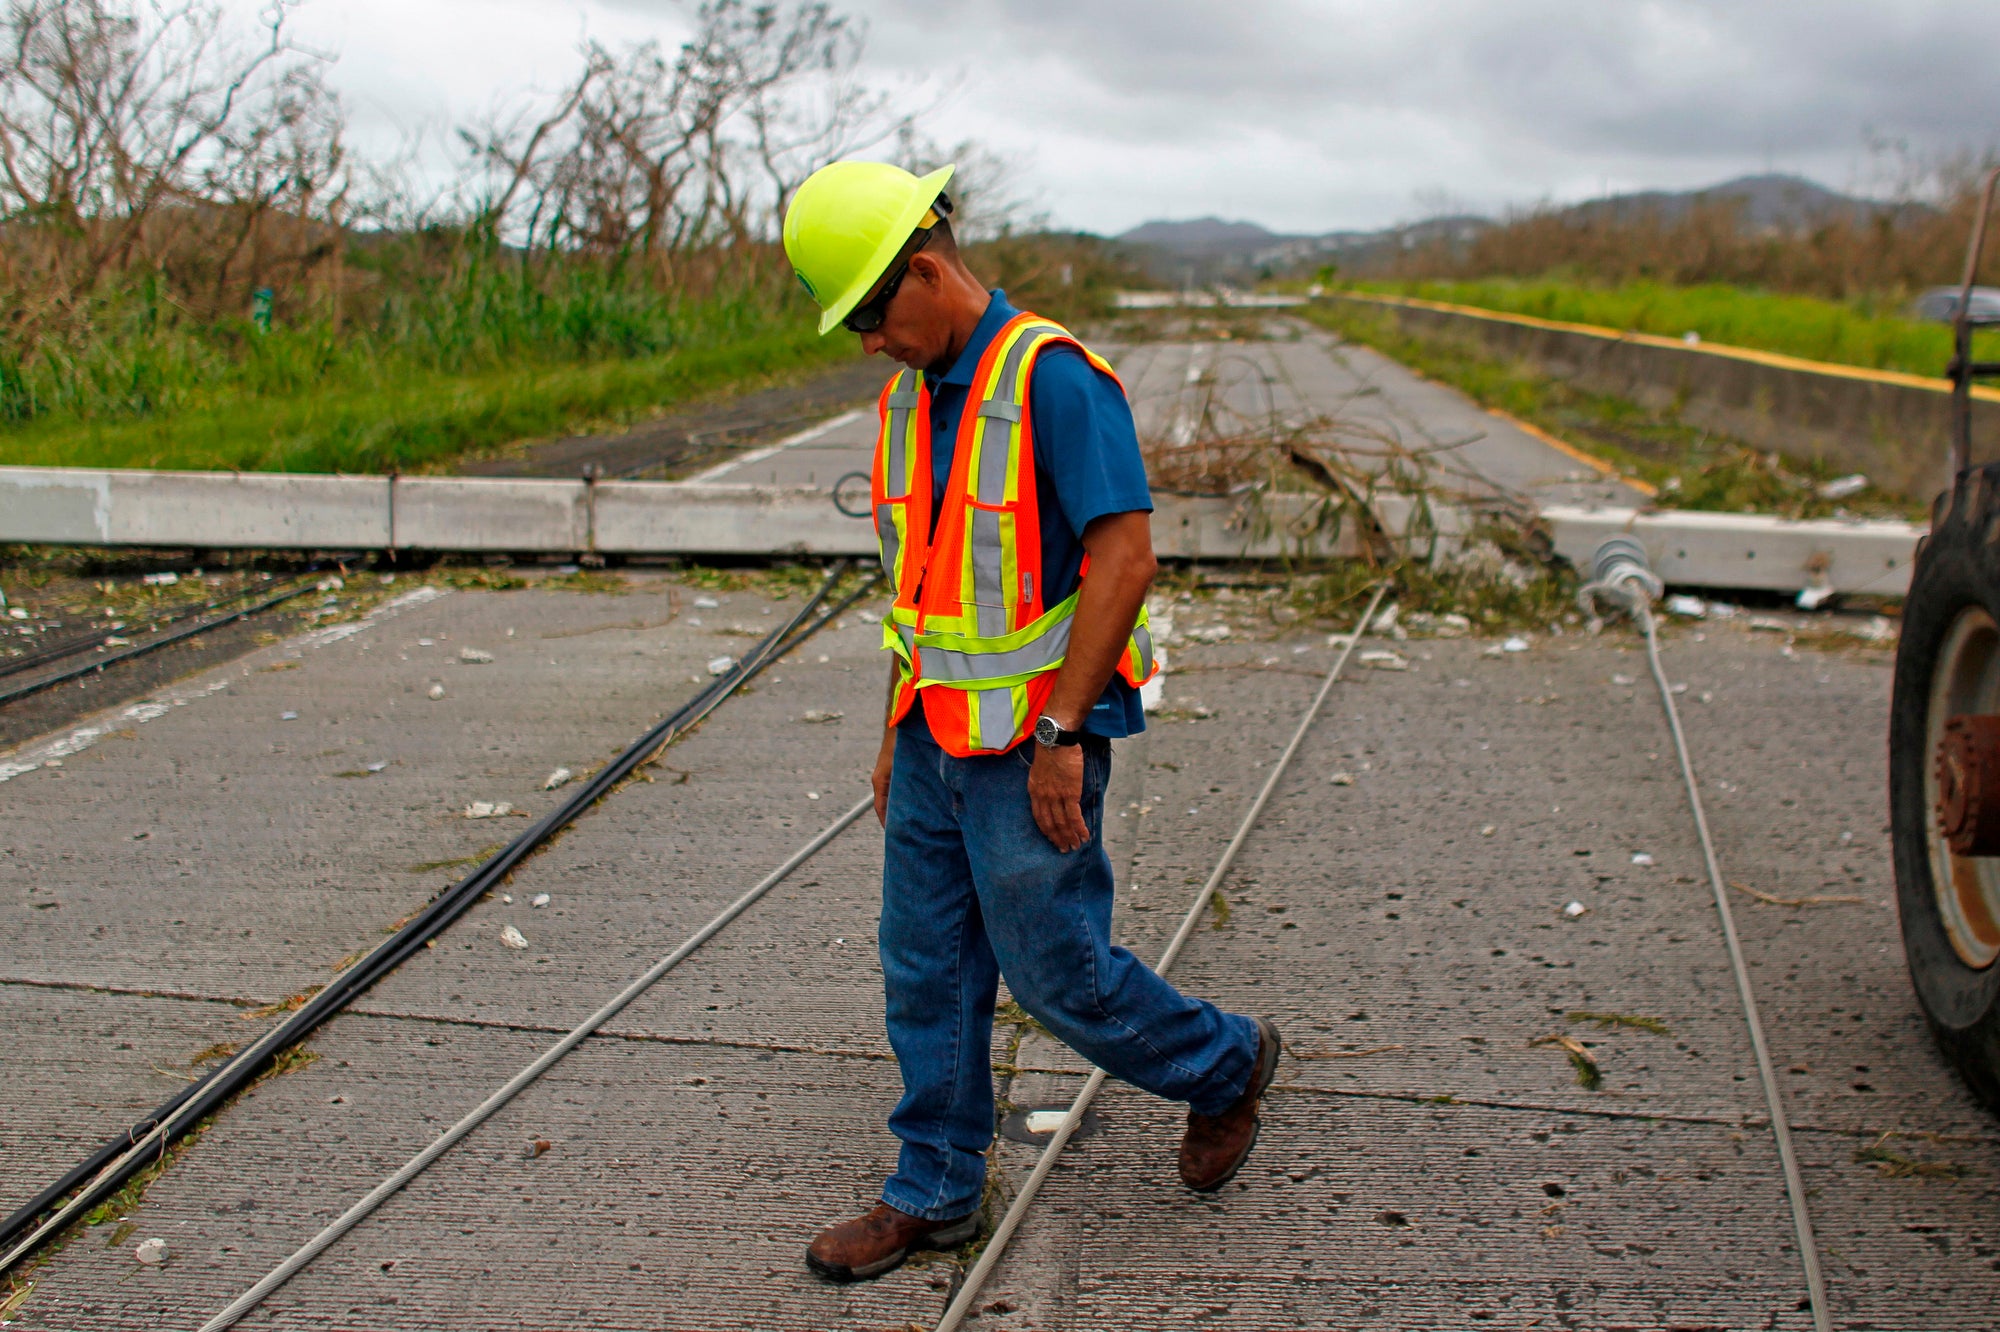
(1968, 785)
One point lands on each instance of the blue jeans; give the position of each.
(972, 890)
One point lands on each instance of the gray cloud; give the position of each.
(1311, 114)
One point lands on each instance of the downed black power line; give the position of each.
(141, 649)
(110, 1166)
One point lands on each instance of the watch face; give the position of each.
(1046, 731)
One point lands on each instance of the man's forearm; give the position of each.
(1121, 572)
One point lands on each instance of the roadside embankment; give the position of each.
(1885, 424)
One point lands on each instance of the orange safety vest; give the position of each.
(968, 625)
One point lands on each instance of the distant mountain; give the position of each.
(1204, 235)
(1210, 249)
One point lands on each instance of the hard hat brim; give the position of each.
(928, 189)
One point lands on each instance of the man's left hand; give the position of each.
(1055, 792)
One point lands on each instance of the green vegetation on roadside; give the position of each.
(1872, 332)
(405, 407)
(1692, 468)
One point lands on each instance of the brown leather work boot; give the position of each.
(870, 1245)
(1215, 1147)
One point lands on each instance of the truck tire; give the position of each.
(1948, 664)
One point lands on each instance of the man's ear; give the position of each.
(929, 270)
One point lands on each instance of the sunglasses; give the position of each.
(867, 318)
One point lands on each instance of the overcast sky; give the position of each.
(1303, 115)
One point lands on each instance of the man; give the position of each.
(1012, 509)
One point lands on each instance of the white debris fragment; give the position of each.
(1677, 689)
(377, 767)
(1575, 909)
(17, 613)
(1381, 659)
(812, 795)
(1488, 830)
(707, 603)
(539, 900)
(1812, 598)
(333, 584)
(507, 898)
(436, 691)
(1842, 486)
(426, 642)
(161, 580)
(1641, 858)
(1210, 633)
(556, 778)
(870, 617)
(1045, 1121)
(1384, 623)
(1765, 624)
(1692, 608)
(474, 656)
(151, 1252)
(1453, 625)
(116, 641)
(817, 715)
(512, 937)
(488, 809)
(1342, 779)
(1515, 644)
(288, 716)
(722, 666)
(1623, 680)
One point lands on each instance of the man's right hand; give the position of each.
(885, 760)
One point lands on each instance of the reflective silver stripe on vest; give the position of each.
(946, 666)
(999, 414)
(996, 716)
(1142, 638)
(903, 399)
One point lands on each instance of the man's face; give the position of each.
(915, 328)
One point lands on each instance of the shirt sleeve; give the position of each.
(1085, 440)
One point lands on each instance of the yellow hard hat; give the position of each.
(846, 225)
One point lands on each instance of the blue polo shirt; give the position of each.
(1086, 460)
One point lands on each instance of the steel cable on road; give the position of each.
(417, 1164)
(968, 1291)
(111, 1165)
(1621, 577)
(153, 644)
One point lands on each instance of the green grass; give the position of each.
(417, 419)
(1875, 333)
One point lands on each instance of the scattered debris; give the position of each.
(1812, 598)
(1843, 486)
(1765, 624)
(473, 656)
(512, 937)
(1488, 830)
(1692, 608)
(1798, 901)
(1892, 1164)
(1877, 629)
(722, 665)
(1588, 1075)
(1608, 1021)
(539, 1145)
(557, 778)
(816, 716)
(539, 900)
(1623, 680)
(1641, 858)
(1515, 644)
(1575, 909)
(1384, 625)
(489, 809)
(1382, 659)
(288, 716)
(151, 1252)
(1342, 779)
(436, 691)
(870, 617)
(1209, 633)
(161, 579)
(707, 603)
(333, 584)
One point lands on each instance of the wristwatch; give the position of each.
(1050, 733)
